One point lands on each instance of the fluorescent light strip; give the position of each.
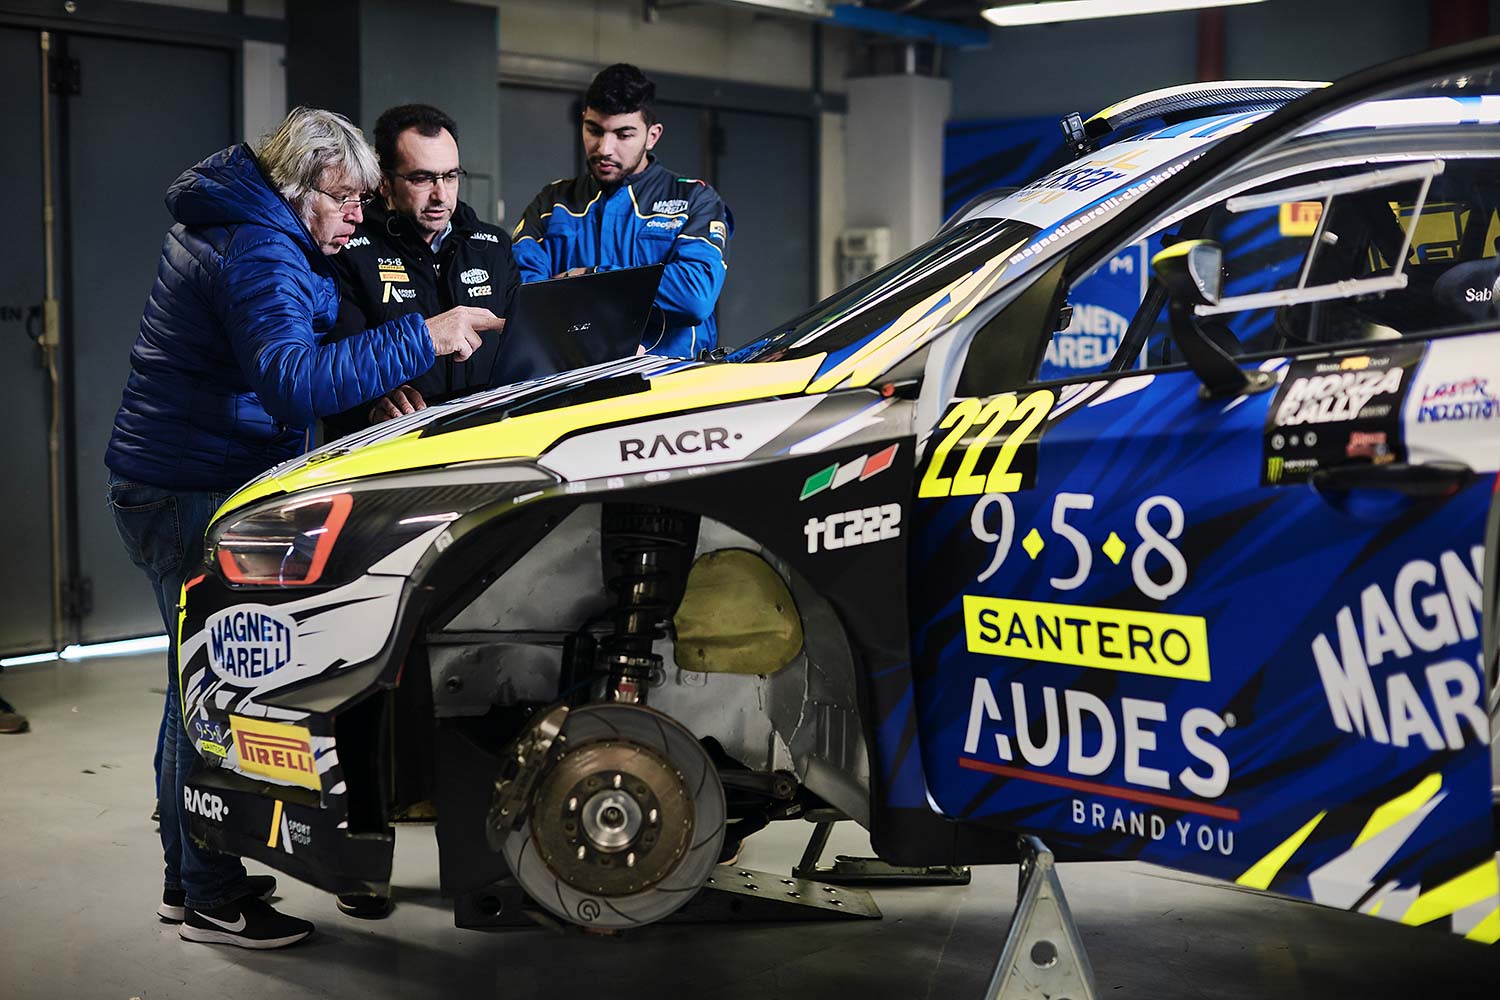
(21, 661)
(124, 647)
(1048, 11)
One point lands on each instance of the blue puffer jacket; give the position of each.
(230, 368)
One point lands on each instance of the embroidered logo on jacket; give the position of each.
(391, 269)
(474, 276)
(670, 207)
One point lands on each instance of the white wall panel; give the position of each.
(702, 40)
(894, 151)
(264, 88)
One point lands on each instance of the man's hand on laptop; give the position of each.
(457, 331)
(396, 403)
(573, 272)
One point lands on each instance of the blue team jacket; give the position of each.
(232, 363)
(654, 217)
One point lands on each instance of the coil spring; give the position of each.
(636, 537)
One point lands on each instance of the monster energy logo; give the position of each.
(1273, 469)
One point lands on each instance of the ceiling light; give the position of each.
(1047, 11)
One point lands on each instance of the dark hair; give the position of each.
(426, 119)
(620, 90)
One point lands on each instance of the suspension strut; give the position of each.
(649, 548)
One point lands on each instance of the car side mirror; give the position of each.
(1191, 272)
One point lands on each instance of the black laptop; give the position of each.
(565, 323)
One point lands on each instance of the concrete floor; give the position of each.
(80, 878)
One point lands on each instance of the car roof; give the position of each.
(1115, 167)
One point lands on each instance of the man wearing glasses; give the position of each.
(421, 250)
(231, 366)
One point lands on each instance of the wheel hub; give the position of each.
(611, 820)
(613, 817)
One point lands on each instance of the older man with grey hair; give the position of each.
(229, 370)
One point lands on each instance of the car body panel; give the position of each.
(1164, 644)
(1299, 713)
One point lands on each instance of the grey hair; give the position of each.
(309, 142)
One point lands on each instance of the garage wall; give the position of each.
(1054, 69)
(1284, 39)
(1087, 65)
(705, 40)
(461, 81)
(263, 88)
(546, 44)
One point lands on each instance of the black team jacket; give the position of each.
(387, 270)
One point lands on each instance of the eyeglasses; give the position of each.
(345, 204)
(422, 179)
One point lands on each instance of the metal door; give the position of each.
(144, 113)
(686, 140)
(26, 584)
(765, 174)
(539, 143)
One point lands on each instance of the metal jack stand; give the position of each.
(866, 871)
(1043, 957)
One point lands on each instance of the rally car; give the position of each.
(1145, 509)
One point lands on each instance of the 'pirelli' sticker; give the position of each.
(275, 750)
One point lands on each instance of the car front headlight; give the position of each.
(331, 537)
(284, 546)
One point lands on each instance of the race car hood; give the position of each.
(523, 421)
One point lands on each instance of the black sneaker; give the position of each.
(248, 923)
(365, 907)
(173, 901)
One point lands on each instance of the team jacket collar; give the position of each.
(652, 169)
(400, 229)
(592, 187)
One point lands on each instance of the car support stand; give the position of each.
(731, 895)
(866, 871)
(1043, 957)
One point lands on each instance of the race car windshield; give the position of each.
(851, 318)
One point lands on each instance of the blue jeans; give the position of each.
(163, 533)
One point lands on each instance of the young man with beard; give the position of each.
(629, 211)
(421, 250)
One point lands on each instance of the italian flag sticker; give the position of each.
(861, 468)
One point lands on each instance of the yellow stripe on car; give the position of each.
(1399, 808)
(1487, 931)
(872, 361)
(531, 434)
(1260, 874)
(1475, 885)
(906, 333)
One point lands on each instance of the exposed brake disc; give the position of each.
(626, 825)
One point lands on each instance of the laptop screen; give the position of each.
(565, 323)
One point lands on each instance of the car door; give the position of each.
(1238, 636)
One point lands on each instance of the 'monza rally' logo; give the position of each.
(249, 642)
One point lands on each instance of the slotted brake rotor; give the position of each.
(626, 826)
